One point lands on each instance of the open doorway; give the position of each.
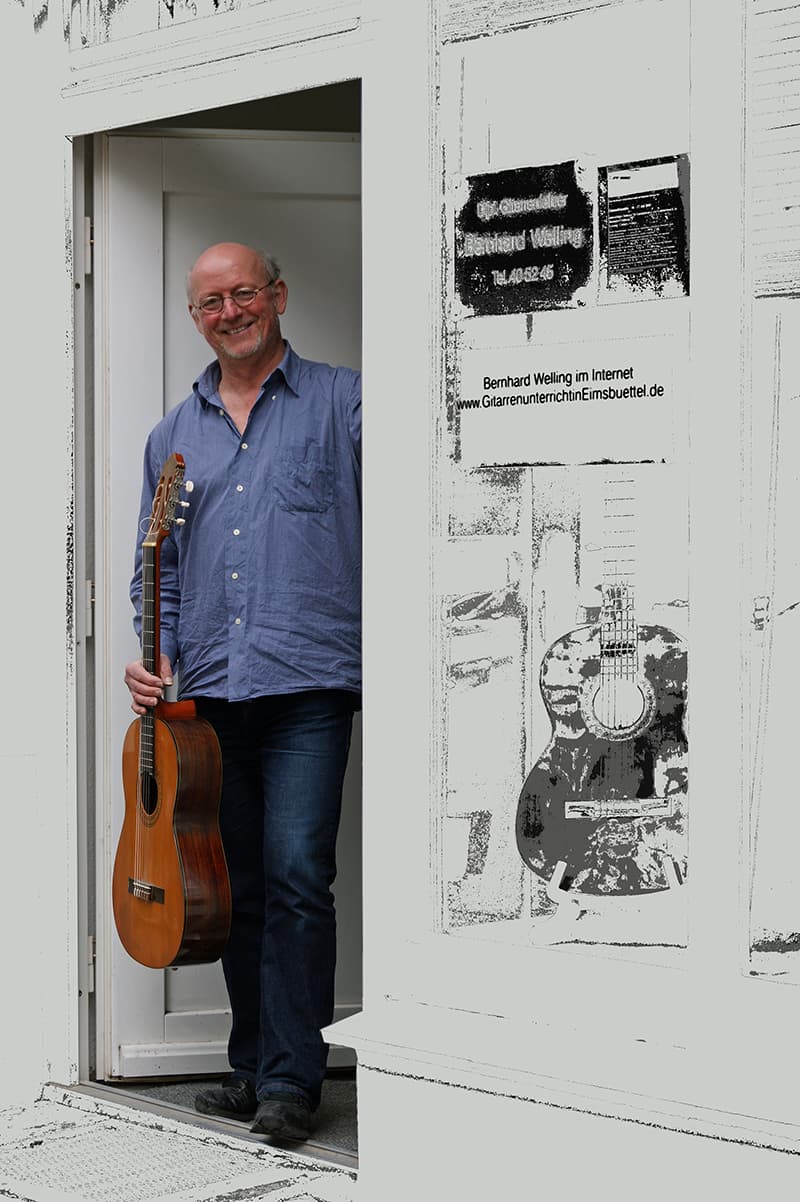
(282, 173)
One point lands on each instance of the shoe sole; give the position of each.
(280, 1131)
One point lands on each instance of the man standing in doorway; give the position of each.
(260, 609)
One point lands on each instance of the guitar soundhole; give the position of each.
(618, 705)
(148, 793)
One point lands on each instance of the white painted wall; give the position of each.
(474, 1146)
(37, 732)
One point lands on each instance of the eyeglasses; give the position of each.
(243, 297)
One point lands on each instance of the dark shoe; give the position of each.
(234, 1099)
(285, 1116)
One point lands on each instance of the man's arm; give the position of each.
(354, 413)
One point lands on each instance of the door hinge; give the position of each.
(761, 612)
(91, 960)
(88, 245)
(88, 608)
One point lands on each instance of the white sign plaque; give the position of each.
(605, 402)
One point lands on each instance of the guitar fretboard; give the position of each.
(619, 638)
(149, 651)
(619, 533)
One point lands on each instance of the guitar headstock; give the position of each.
(165, 500)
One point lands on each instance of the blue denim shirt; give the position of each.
(261, 588)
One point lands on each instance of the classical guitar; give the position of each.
(607, 797)
(170, 886)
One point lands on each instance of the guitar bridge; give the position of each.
(620, 807)
(145, 892)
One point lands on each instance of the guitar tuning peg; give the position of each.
(188, 486)
(184, 504)
(180, 521)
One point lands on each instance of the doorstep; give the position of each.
(72, 1145)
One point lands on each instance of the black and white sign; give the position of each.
(523, 240)
(643, 234)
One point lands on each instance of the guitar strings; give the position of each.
(146, 721)
(618, 629)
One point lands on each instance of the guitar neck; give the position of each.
(151, 645)
(161, 518)
(619, 640)
(151, 598)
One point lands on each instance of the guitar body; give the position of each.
(608, 794)
(170, 890)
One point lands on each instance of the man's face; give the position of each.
(236, 332)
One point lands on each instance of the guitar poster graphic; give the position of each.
(566, 709)
(604, 806)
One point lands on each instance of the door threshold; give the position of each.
(122, 1094)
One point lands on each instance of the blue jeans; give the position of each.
(283, 762)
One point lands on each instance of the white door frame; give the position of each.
(129, 387)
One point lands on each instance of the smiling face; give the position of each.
(248, 335)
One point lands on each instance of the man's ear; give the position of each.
(281, 294)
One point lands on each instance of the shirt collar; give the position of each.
(207, 383)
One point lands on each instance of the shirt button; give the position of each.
(244, 446)
(222, 412)
(240, 488)
(238, 621)
(236, 532)
(234, 575)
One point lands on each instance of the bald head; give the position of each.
(226, 256)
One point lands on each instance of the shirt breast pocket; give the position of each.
(304, 479)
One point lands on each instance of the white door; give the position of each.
(160, 200)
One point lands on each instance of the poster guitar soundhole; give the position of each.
(607, 797)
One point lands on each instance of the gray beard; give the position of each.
(244, 354)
